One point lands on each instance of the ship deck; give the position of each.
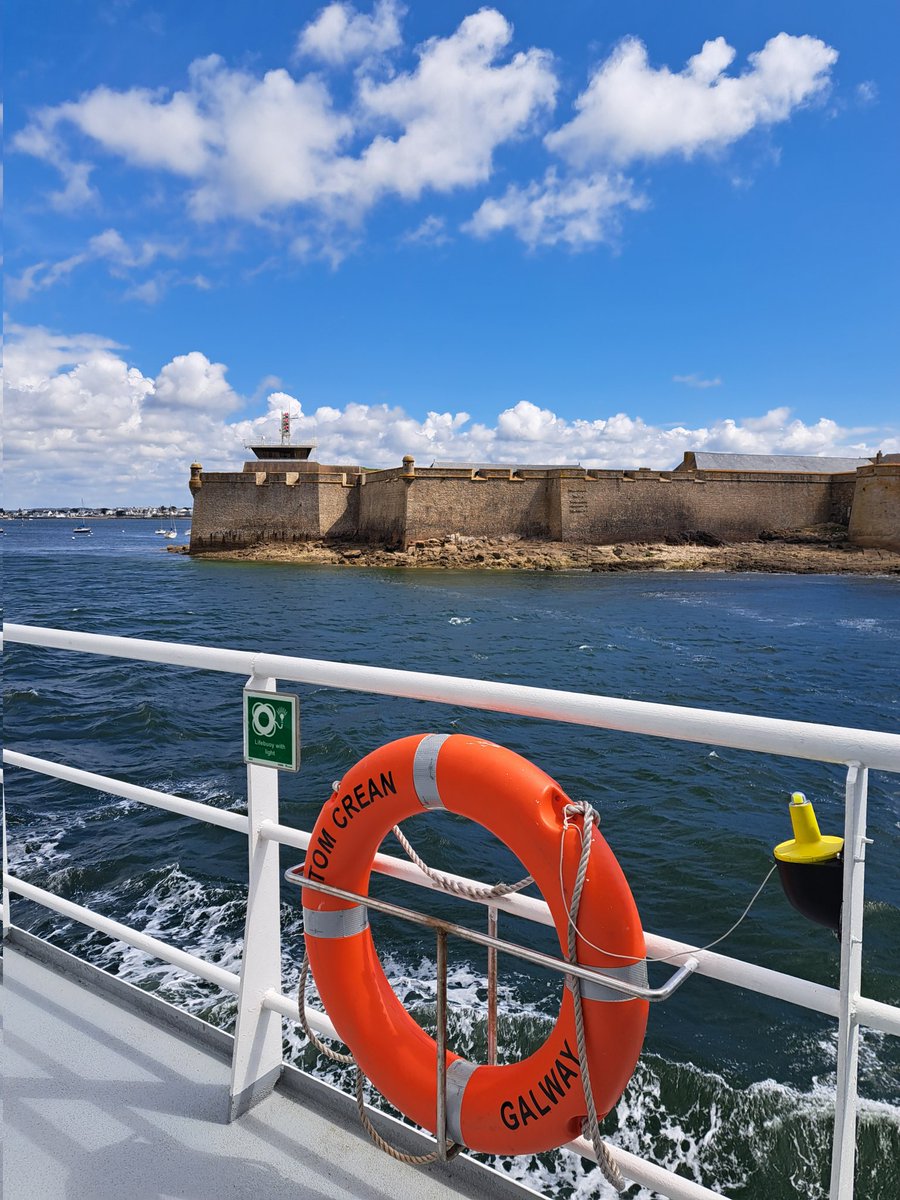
(110, 1092)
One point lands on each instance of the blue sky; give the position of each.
(588, 232)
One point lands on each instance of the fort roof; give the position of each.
(494, 466)
(701, 460)
(277, 450)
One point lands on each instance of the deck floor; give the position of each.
(102, 1102)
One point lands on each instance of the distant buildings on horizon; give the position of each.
(150, 511)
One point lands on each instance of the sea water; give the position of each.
(733, 1089)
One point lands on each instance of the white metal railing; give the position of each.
(261, 1004)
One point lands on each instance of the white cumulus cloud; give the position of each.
(192, 381)
(631, 110)
(143, 127)
(455, 109)
(339, 34)
(80, 421)
(250, 146)
(284, 150)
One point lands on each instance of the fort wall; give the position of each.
(486, 504)
(382, 507)
(843, 489)
(407, 504)
(634, 506)
(241, 508)
(339, 503)
(875, 516)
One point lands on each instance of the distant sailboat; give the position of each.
(170, 533)
(85, 529)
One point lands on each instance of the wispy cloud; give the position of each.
(576, 213)
(430, 232)
(122, 261)
(867, 92)
(697, 381)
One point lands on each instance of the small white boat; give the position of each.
(83, 529)
(171, 533)
(162, 532)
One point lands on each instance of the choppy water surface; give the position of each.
(733, 1089)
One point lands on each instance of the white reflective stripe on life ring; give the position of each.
(339, 923)
(425, 770)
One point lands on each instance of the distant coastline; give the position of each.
(519, 554)
(163, 512)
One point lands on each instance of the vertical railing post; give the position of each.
(843, 1159)
(492, 988)
(441, 1043)
(256, 1062)
(6, 918)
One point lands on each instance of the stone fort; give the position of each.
(283, 495)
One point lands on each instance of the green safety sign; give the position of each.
(272, 730)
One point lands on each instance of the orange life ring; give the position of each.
(525, 1107)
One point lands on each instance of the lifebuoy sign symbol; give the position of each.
(272, 729)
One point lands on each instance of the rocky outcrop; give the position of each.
(511, 553)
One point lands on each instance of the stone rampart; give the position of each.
(338, 505)
(642, 506)
(305, 501)
(382, 507)
(843, 488)
(486, 504)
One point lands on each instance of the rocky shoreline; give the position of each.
(817, 551)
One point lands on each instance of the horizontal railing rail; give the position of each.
(128, 791)
(228, 981)
(591, 974)
(859, 750)
(790, 988)
(769, 735)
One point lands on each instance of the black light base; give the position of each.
(815, 889)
